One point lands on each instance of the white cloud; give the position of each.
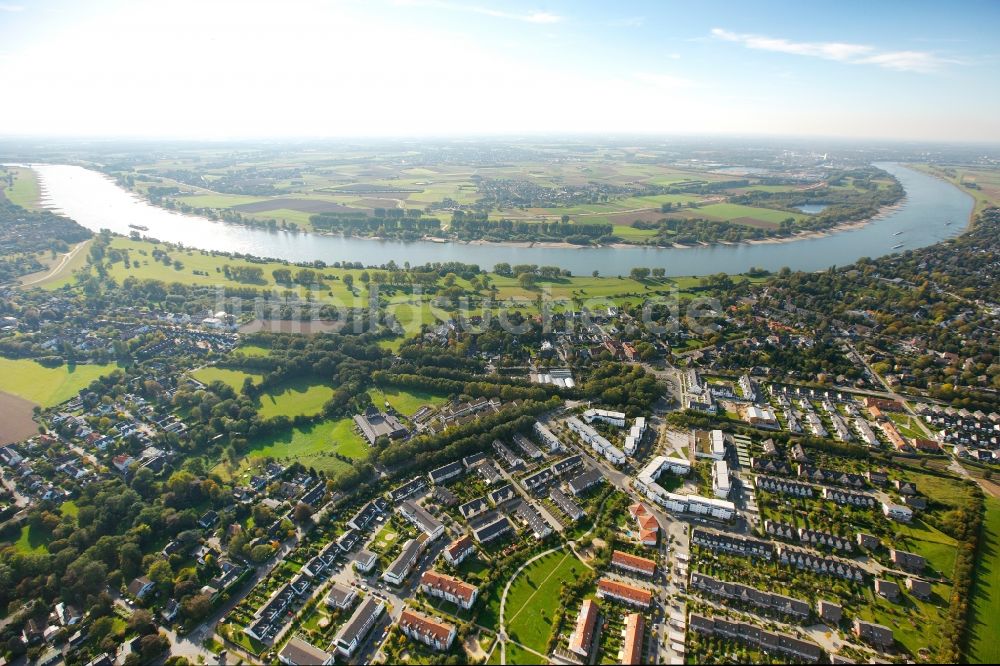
(4, 7)
(538, 17)
(857, 54)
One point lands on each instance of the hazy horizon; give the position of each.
(413, 69)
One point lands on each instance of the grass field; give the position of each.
(939, 548)
(252, 350)
(47, 386)
(32, 541)
(232, 378)
(64, 275)
(25, 191)
(405, 401)
(982, 645)
(632, 234)
(534, 598)
(735, 212)
(297, 398)
(312, 446)
(209, 269)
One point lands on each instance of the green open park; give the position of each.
(47, 386)
(405, 401)
(232, 378)
(312, 445)
(533, 598)
(295, 398)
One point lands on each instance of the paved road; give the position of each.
(892, 394)
(549, 518)
(58, 268)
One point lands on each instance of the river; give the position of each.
(97, 202)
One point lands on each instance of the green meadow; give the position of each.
(47, 386)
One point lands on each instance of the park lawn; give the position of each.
(311, 445)
(69, 508)
(32, 541)
(534, 598)
(231, 378)
(47, 386)
(518, 655)
(412, 312)
(982, 644)
(24, 192)
(296, 398)
(405, 401)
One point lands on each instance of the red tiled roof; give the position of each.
(613, 588)
(648, 536)
(585, 623)
(448, 584)
(635, 626)
(628, 560)
(425, 625)
(459, 545)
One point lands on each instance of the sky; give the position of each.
(223, 69)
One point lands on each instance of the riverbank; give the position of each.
(515, 244)
(96, 202)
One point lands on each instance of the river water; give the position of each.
(97, 202)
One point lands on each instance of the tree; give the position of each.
(349, 281)
(161, 573)
(197, 606)
(303, 512)
(141, 621)
(639, 273)
(153, 646)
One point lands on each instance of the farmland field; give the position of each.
(47, 386)
(17, 422)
